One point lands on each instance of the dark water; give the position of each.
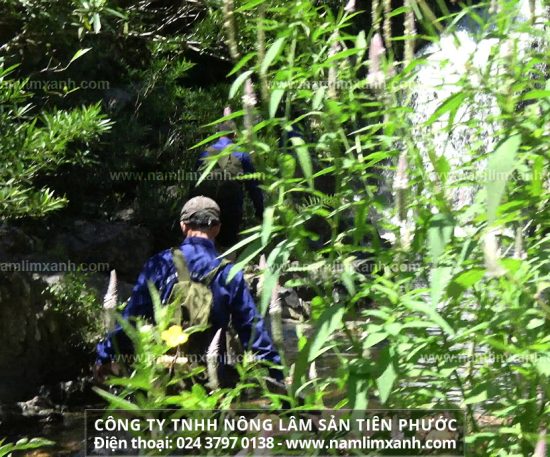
(65, 429)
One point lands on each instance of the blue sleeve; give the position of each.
(252, 185)
(250, 325)
(201, 160)
(139, 305)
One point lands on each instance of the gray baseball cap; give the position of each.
(200, 210)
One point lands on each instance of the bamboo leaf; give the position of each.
(303, 158)
(251, 250)
(239, 81)
(464, 281)
(116, 402)
(450, 105)
(439, 278)
(318, 99)
(499, 167)
(430, 313)
(329, 321)
(385, 382)
(439, 235)
(249, 5)
(79, 54)
(96, 21)
(274, 101)
(267, 226)
(241, 63)
(272, 54)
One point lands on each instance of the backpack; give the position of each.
(222, 181)
(192, 300)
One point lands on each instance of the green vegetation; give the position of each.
(7, 449)
(33, 144)
(80, 309)
(453, 313)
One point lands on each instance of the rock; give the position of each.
(34, 349)
(15, 242)
(102, 246)
(76, 392)
(293, 306)
(37, 406)
(125, 215)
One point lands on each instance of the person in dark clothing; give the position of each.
(226, 189)
(232, 300)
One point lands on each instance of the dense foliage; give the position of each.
(428, 273)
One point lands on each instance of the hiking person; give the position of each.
(232, 303)
(226, 189)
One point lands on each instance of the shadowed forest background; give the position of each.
(403, 153)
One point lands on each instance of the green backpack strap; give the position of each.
(209, 277)
(229, 162)
(183, 278)
(181, 265)
(195, 296)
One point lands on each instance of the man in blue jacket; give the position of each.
(232, 301)
(225, 187)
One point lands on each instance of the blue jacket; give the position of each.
(232, 301)
(251, 185)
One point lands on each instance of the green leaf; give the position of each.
(267, 225)
(439, 235)
(450, 105)
(116, 13)
(239, 81)
(430, 313)
(543, 365)
(249, 5)
(136, 381)
(303, 158)
(251, 251)
(499, 167)
(373, 339)
(318, 98)
(23, 445)
(535, 323)
(342, 55)
(439, 278)
(287, 165)
(96, 22)
(211, 138)
(116, 402)
(464, 281)
(243, 243)
(330, 321)
(241, 63)
(79, 54)
(385, 382)
(272, 53)
(361, 41)
(536, 94)
(478, 395)
(536, 185)
(274, 101)
(270, 280)
(358, 390)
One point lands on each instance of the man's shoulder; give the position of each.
(160, 259)
(224, 272)
(241, 155)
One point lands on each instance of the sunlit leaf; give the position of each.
(499, 167)
(272, 53)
